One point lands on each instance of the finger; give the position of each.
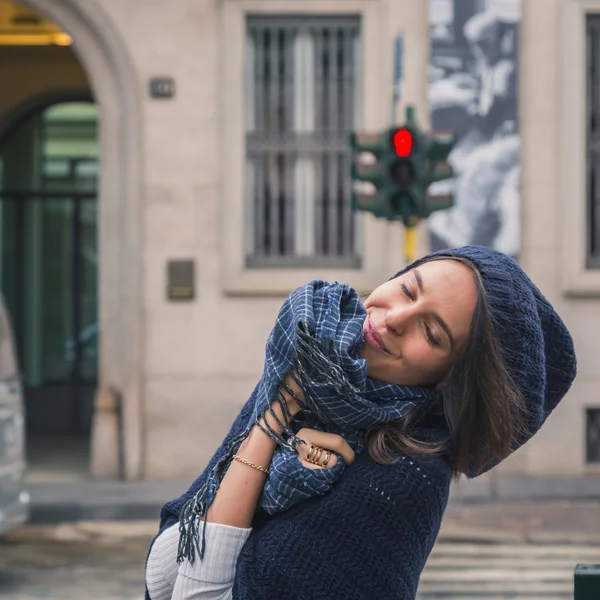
(304, 449)
(331, 441)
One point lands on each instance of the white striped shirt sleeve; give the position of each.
(212, 577)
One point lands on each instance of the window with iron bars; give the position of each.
(302, 103)
(593, 436)
(593, 142)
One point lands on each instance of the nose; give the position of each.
(397, 319)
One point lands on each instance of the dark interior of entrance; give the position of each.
(48, 271)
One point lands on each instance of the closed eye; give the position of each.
(407, 292)
(433, 341)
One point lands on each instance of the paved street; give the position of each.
(72, 570)
(492, 571)
(110, 571)
(523, 551)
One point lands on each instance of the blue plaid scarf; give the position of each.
(317, 335)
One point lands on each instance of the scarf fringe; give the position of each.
(195, 509)
(310, 360)
(322, 369)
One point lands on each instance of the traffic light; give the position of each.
(406, 166)
(439, 171)
(393, 170)
(370, 173)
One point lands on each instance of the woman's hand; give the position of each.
(328, 441)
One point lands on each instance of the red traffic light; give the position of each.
(403, 142)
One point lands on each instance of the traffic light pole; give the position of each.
(410, 243)
(392, 170)
(410, 231)
(398, 75)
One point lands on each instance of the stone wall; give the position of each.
(200, 360)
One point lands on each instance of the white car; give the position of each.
(14, 499)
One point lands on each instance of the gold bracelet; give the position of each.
(250, 464)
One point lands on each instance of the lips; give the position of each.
(373, 337)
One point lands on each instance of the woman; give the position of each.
(467, 323)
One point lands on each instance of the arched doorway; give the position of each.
(113, 82)
(48, 274)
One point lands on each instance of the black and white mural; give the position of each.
(473, 79)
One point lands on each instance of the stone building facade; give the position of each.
(173, 185)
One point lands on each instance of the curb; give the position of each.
(454, 533)
(86, 532)
(111, 532)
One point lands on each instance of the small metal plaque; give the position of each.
(162, 87)
(180, 280)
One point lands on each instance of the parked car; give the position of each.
(14, 499)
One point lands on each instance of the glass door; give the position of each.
(48, 266)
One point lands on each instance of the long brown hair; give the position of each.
(482, 405)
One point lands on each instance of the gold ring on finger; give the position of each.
(326, 458)
(310, 454)
(317, 457)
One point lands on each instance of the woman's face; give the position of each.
(417, 323)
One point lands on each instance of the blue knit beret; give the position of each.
(538, 349)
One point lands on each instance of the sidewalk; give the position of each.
(550, 522)
(89, 500)
(526, 510)
(493, 487)
(518, 521)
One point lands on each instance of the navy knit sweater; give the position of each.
(367, 539)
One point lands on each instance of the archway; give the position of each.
(114, 82)
(49, 273)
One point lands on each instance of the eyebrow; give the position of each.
(437, 317)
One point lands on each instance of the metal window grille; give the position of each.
(593, 142)
(593, 435)
(302, 103)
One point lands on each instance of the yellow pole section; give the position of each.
(410, 244)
